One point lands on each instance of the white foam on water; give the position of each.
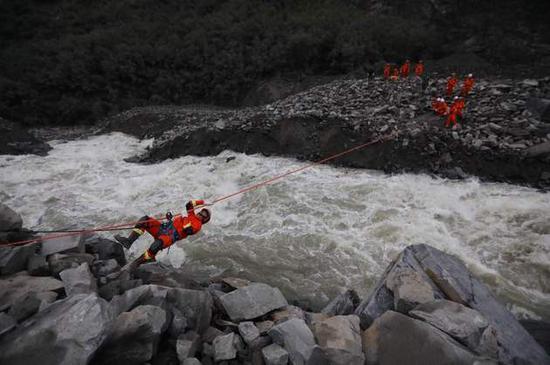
(311, 234)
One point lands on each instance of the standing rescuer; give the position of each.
(405, 69)
(387, 71)
(468, 85)
(166, 234)
(451, 84)
(419, 69)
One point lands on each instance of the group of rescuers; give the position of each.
(453, 112)
(167, 233)
(180, 227)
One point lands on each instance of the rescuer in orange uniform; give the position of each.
(468, 85)
(419, 69)
(405, 69)
(451, 84)
(165, 234)
(440, 106)
(387, 71)
(395, 75)
(455, 111)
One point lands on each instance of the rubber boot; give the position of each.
(127, 242)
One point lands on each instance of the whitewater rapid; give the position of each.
(311, 234)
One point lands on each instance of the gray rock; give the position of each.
(25, 306)
(142, 295)
(18, 285)
(395, 338)
(409, 288)
(191, 361)
(67, 244)
(105, 249)
(46, 298)
(78, 280)
(178, 324)
(53, 337)
(249, 332)
(340, 339)
(539, 107)
(15, 259)
(264, 326)
(210, 334)
(252, 301)
(188, 345)
(7, 323)
(462, 323)
(275, 355)
(134, 336)
(343, 304)
(60, 262)
(290, 311)
(459, 285)
(530, 83)
(224, 347)
(539, 150)
(296, 337)
(9, 219)
(38, 266)
(105, 267)
(195, 306)
(170, 277)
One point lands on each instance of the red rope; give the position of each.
(242, 191)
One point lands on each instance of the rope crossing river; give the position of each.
(130, 225)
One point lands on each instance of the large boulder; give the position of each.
(16, 286)
(38, 266)
(343, 304)
(340, 339)
(450, 279)
(175, 278)
(59, 262)
(225, 347)
(67, 332)
(16, 140)
(187, 345)
(409, 288)
(142, 295)
(539, 107)
(15, 259)
(65, 244)
(275, 355)
(79, 280)
(25, 306)
(296, 337)
(134, 336)
(252, 301)
(9, 219)
(249, 332)
(105, 249)
(194, 305)
(466, 325)
(105, 267)
(7, 323)
(395, 338)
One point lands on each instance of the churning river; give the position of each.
(311, 234)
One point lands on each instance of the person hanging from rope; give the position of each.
(387, 71)
(451, 84)
(166, 234)
(405, 69)
(468, 85)
(419, 69)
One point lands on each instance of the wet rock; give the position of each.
(15, 140)
(78, 280)
(540, 108)
(210, 334)
(170, 277)
(16, 286)
(224, 347)
(191, 361)
(38, 266)
(539, 150)
(178, 324)
(252, 301)
(235, 283)
(540, 331)
(142, 295)
(343, 304)
(462, 323)
(134, 336)
(15, 259)
(60, 262)
(105, 267)
(249, 332)
(68, 244)
(264, 326)
(25, 306)
(409, 288)
(52, 336)
(188, 345)
(395, 338)
(9, 219)
(195, 306)
(340, 339)
(274, 355)
(290, 311)
(7, 323)
(105, 249)
(296, 337)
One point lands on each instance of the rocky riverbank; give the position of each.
(66, 301)
(505, 135)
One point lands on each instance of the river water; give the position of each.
(311, 234)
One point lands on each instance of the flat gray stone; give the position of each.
(296, 337)
(78, 280)
(340, 339)
(72, 244)
(15, 259)
(249, 332)
(224, 347)
(7, 323)
(409, 289)
(18, 285)
(9, 219)
(275, 355)
(191, 361)
(252, 301)
(188, 345)
(343, 304)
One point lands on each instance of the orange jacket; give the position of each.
(405, 69)
(451, 83)
(187, 226)
(387, 70)
(468, 85)
(419, 69)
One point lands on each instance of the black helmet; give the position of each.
(205, 215)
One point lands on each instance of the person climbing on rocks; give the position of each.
(440, 106)
(451, 84)
(468, 85)
(167, 233)
(455, 111)
(419, 69)
(405, 69)
(387, 71)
